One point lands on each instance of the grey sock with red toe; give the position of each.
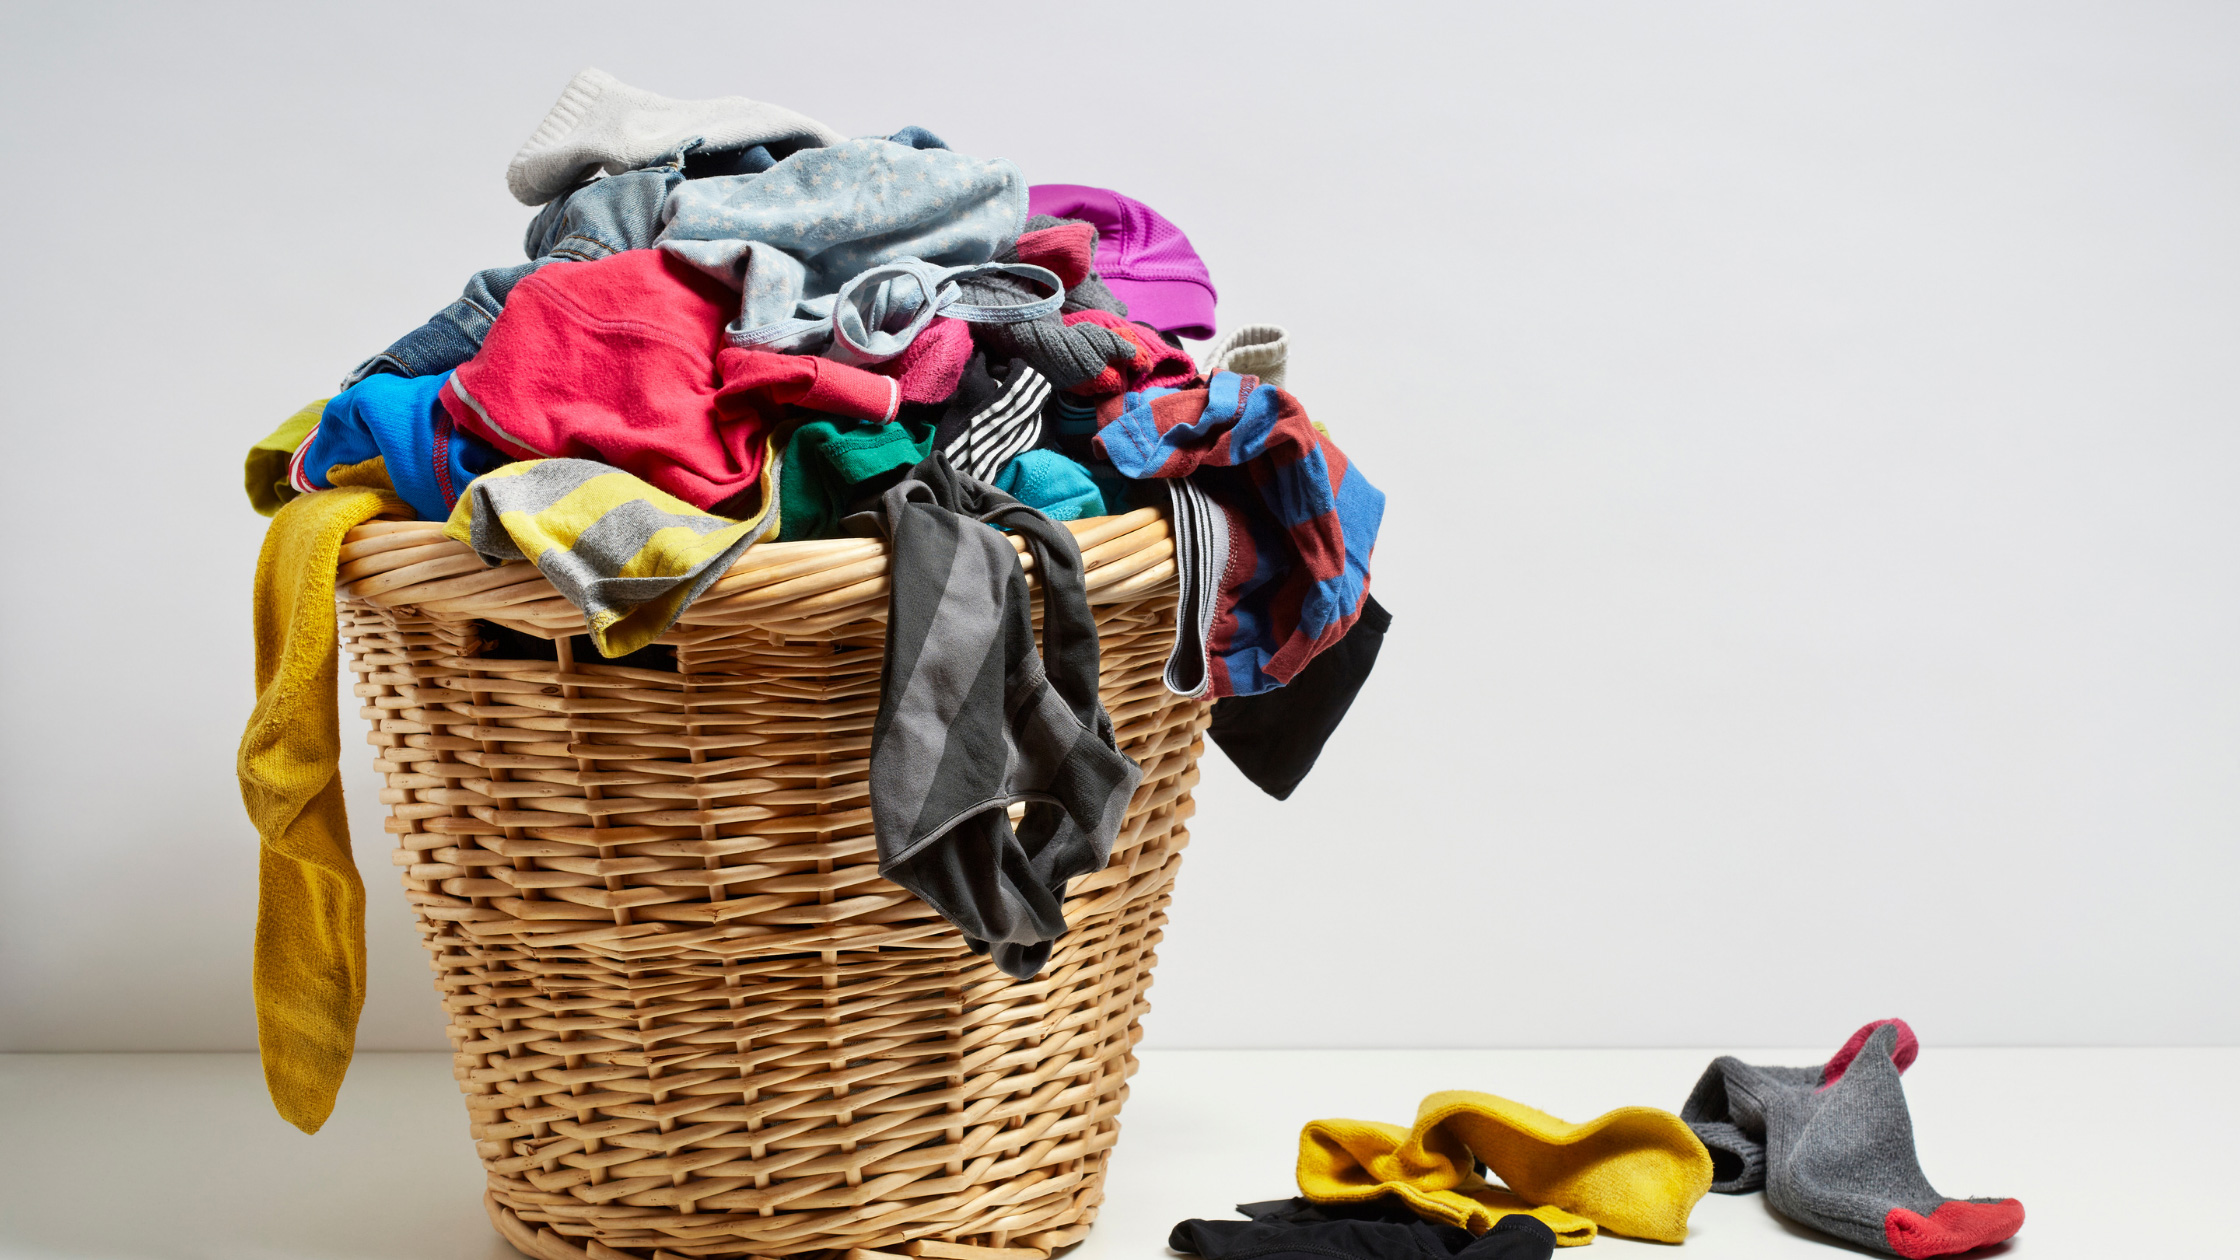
(1833, 1147)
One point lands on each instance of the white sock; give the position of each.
(601, 121)
(1262, 350)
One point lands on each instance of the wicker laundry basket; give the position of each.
(689, 1017)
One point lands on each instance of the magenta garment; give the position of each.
(1145, 260)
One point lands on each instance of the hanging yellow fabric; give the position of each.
(266, 470)
(310, 967)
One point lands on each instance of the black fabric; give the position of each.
(508, 644)
(995, 413)
(972, 720)
(1382, 1229)
(977, 390)
(753, 159)
(1274, 737)
(711, 163)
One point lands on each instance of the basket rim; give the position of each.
(809, 585)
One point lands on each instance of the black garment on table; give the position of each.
(1274, 737)
(1382, 1229)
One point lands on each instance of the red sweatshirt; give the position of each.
(623, 361)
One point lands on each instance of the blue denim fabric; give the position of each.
(822, 217)
(605, 216)
(757, 158)
(918, 138)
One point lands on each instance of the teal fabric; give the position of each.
(1048, 481)
(827, 460)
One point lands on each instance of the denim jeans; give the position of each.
(757, 158)
(605, 216)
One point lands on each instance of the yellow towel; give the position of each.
(631, 557)
(1635, 1171)
(266, 469)
(310, 970)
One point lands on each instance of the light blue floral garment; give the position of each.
(798, 232)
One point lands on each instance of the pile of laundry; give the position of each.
(1831, 1146)
(737, 326)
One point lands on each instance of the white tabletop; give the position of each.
(136, 1157)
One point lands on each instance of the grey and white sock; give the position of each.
(602, 123)
(1262, 350)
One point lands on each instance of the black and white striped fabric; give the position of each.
(972, 720)
(994, 418)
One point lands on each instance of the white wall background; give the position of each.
(1810, 432)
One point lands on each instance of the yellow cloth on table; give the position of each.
(310, 968)
(1636, 1171)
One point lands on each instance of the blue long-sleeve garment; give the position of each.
(401, 420)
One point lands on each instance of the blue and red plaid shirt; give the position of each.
(1302, 519)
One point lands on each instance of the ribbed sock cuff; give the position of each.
(576, 101)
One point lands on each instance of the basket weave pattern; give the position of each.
(688, 1016)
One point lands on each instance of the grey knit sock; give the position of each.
(1089, 295)
(1834, 1149)
(1738, 1159)
(1092, 295)
(1067, 354)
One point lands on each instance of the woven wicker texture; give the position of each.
(690, 1019)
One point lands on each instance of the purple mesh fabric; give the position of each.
(1144, 259)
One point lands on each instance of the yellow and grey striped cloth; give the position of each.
(631, 557)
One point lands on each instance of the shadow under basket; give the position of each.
(688, 1015)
